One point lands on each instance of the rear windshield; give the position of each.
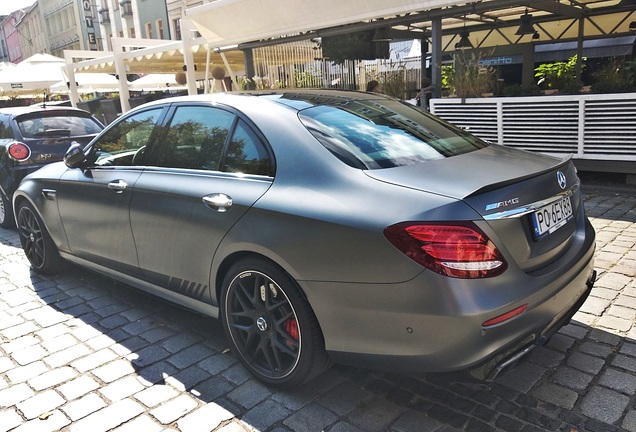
(377, 134)
(61, 124)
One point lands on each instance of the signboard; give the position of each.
(88, 23)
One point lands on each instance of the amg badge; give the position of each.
(500, 204)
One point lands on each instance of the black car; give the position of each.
(35, 136)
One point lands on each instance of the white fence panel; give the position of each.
(595, 127)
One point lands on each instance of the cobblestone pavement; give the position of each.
(81, 353)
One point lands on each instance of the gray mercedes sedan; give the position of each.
(323, 226)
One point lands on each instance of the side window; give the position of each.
(246, 153)
(124, 144)
(5, 129)
(196, 138)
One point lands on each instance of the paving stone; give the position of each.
(143, 423)
(40, 404)
(249, 394)
(52, 378)
(619, 381)
(114, 370)
(190, 356)
(375, 415)
(122, 388)
(109, 417)
(311, 417)
(55, 421)
(522, 377)
(67, 355)
(571, 378)
(624, 362)
(15, 394)
(586, 363)
(604, 405)
(596, 349)
(556, 395)
(94, 360)
(9, 419)
(29, 355)
(629, 422)
(153, 396)
(204, 419)
(78, 387)
(414, 421)
(174, 409)
(25, 373)
(84, 406)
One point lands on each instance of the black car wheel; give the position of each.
(270, 325)
(36, 241)
(6, 213)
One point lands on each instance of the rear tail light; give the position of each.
(457, 250)
(18, 151)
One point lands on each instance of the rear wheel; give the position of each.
(271, 327)
(36, 241)
(6, 212)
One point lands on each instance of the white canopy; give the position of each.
(89, 83)
(230, 22)
(152, 82)
(38, 72)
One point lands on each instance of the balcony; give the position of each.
(104, 16)
(126, 7)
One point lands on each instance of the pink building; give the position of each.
(12, 36)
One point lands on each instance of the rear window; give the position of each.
(385, 133)
(58, 124)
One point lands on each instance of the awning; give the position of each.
(594, 48)
(231, 22)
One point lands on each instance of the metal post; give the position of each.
(436, 57)
(248, 58)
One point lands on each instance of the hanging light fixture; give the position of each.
(526, 26)
(464, 42)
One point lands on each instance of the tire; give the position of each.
(36, 241)
(6, 212)
(270, 325)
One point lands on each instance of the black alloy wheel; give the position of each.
(270, 325)
(36, 241)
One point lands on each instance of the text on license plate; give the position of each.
(552, 217)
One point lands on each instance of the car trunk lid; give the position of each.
(530, 203)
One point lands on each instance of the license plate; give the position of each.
(550, 218)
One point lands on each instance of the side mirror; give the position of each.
(74, 157)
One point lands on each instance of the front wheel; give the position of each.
(36, 241)
(270, 325)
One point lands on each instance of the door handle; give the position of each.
(118, 186)
(218, 201)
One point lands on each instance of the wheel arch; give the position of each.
(227, 262)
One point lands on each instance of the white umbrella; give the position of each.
(157, 82)
(38, 72)
(88, 83)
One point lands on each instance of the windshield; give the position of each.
(59, 124)
(372, 134)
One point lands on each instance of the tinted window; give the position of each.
(5, 129)
(56, 124)
(371, 135)
(125, 142)
(246, 154)
(196, 138)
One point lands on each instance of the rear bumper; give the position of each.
(434, 324)
(508, 357)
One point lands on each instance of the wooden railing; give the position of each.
(598, 131)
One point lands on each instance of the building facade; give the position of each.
(147, 19)
(33, 39)
(12, 37)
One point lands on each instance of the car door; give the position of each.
(94, 203)
(212, 169)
